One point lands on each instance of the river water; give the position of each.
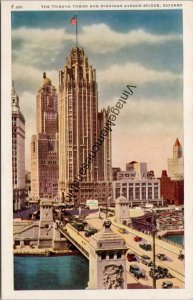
(50, 273)
(178, 238)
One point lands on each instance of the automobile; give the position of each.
(145, 246)
(146, 260)
(89, 230)
(181, 256)
(131, 256)
(137, 238)
(167, 285)
(160, 272)
(78, 225)
(111, 215)
(145, 257)
(163, 271)
(136, 271)
(122, 230)
(161, 256)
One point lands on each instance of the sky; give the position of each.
(141, 48)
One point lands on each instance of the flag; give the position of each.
(73, 21)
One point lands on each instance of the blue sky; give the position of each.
(143, 48)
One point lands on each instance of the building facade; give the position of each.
(79, 126)
(137, 184)
(176, 164)
(134, 170)
(122, 214)
(18, 153)
(138, 191)
(44, 145)
(172, 190)
(115, 170)
(137, 169)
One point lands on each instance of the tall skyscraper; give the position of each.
(80, 124)
(44, 145)
(18, 153)
(176, 164)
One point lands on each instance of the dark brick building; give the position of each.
(172, 190)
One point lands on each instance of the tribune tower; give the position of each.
(79, 123)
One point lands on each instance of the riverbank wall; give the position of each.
(43, 252)
(164, 233)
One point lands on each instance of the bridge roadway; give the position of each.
(173, 264)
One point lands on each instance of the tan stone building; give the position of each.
(18, 153)
(44, 145)
(176, 164)
(80, 125)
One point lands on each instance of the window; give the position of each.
(119, 255)
(111, 255)
(156, 192)
(117, 193)
(70, 136)
(34, 147)
(130, 193)
(124, 191)
(149, 192)
(103, 256)
(137, 193)
(143, 193)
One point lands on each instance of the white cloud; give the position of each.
(30, 78)
(103, 39)
(134, 73)
(32, 45)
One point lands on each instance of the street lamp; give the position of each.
(153, 230)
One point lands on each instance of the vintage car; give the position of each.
(131, 256)
(167, 285)
(146, 260)
(145, 246)
(137, 238)
(136, 271)
(122, 230)
(161, 256)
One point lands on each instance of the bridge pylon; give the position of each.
(107, 265)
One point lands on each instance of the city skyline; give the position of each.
(136, 47)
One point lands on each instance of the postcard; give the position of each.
(97, 165)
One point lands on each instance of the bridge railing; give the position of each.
(64, 231)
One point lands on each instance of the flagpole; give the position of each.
(76, 32)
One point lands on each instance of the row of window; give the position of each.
(110, 255)
(137, 184)
(144, 193)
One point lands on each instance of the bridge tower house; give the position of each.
(45, 239)
(107, 255)
(122, 210)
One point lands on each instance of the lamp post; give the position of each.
(153, 235)
(107, 194)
